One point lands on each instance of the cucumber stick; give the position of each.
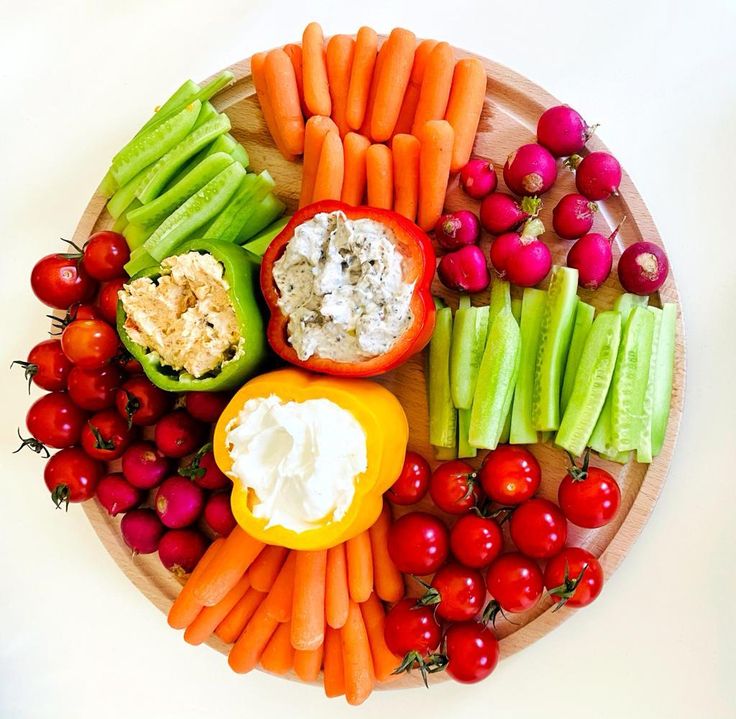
(500, 300)
(184, 94)
(469, 332)
(259, 244)
(597, 361)
(268, 210)
(464, 448)
(554, 341)
(442, 413)
(584, 314)
(442, 454)
(124, 196)
(516, 304)
(664, 371)
(644, 448)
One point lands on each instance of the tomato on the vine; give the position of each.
(574, 577)
(538, 528)
(140, 402)
(89, 343)
(515, 582)
(510, 474)
(107, 299)
(55, 420)
(418, 543)
(47, 366)
(94, 389)
(589, 496)
(472, 651)
(72, 476)
(106, 435)
(475, 540)
(453, 487)
(59, 281)
(412, 483)
(206, 406)
(105, 254)
(410, 628)
(456, 592)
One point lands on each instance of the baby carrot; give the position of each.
(314, 67)
(411, 96)
(360, 567)
(334, 664)
(340, 49)
(435, 154)
(374, 617)
(294, 52)
(283, 92)
(465, 107)
(308, 610)
(278, 656)
(308, 664)
(365, 128)
(389, 584)
(356, 652)
(314, 135)
(361, 74)
(257, 63)
(336, 587)
(266, 567)
(279, 600)
(248, 648)
(379, 176)
(232, 626)
(405, 150)
(392, 82)
(330, 170)
(353, 184)
(207, 620)
(436, 86)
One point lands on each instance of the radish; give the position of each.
(206, 406)
(573, 216)
(117, 495)
(478, 178)
(178, 434)
(592, 257)
(141, 530)
(181, 549)
(144, 466)
(521, 257)
(501, 213)
(218, 515)
(530, 170)
(597, 176)
(457, 229)
(563, 131)
(203, 470)
(178, 502)
(643, 268)
(464, 270)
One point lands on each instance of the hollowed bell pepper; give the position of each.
(419, 263)
(386, 430)
(240, 275)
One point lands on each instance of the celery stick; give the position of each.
(184, 94)
(516, 303)
(644, 448)
(442, 413)
(464, 448)
(445, 453)
(259, 244)
(664, 371)
(468, 341)
(268, 210)
(583, 320)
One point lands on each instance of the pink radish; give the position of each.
(178, 434)
(144, 466)
(597, 176)
(117, 495)
(206, 406)
(573, 216)
(464, 270)
(178, 502)
(456, 229)
(478, 178)
(530, 170)
(181, 549)
(141, 530)
(501, 213)
(218, 515)
(203, 470)
(521, 257)
(592, 257)
(563, 131)
(642, 268)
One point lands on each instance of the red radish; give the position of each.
(597, 176)
(592, 257)
(501, 213)
(643, 268)
(530, 170)
(141, 530)
(117, 495)
(144, 466)
(478, 178)
(181, 549)
(521, 257)
(178, 434)
(178, 502)
(206, 406)
(573, 216)
(457, 229)
(563, 131)
(218, 515)
(203, 469)
(464, 270)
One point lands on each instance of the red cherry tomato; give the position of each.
(72, 476)
(574, 577)
(47, 366)
(589, 496)
(106, 436)
(510, 474)
(472, 652)
(476, 541)
(89, 343)
(178, 434)
(515, 582)
(538, 528)
(129, 364)
(107, 299)
(105, 254)
(418, 543)
(206, 406)
(54, 420)
(94, 389)
(413, 482)
(140, 402)
(457, 592)
(59, 281)
(453, 487)
(82, 312)
(411, 628)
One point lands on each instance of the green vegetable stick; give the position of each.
(139, 261)
(206, 114)
(644, 449)
(136, 235)
(464, 448)
(183, 95)
(516, 303)
(445, 453)
(584, 315)
(664, 372)
(124, 197)
(259, 244)
(442, 413)
(468, 340)
(500, 298)
(268, 210)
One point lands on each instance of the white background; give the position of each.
(78, 640)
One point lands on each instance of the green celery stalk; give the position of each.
(464, 448)
(584, 315)
(259, 244)
(442, 413)
(664, 371)
(644, 453)
(268, 210)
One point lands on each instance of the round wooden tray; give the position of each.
(509, 118)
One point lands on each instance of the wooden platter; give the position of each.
(512, 107)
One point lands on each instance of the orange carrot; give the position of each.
(278, 656)
(360, 567)
(387, 579)
(307, 664)
(314, 67)
(405, 150)
(249, 647)
(436, 86)
(340, 51)
(330, 171)
(379, 176)
(283, 92)
(314, 135)
(361, 74)
(201, 629)
(356, 650)
(334, 664)
(185, 608)
(411, 96)
(257, 63)
(365, 128)
(384, 660)
(308, 608)
(227, 567)
(392, 82)
(336, 587)
(294, 52)
(435, 154)
(353, 184)
(279, 600)
(266, 567)
(232, 626)
(465, 107)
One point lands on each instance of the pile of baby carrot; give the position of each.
(301, 611)
(383, 123)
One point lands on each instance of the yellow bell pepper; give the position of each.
(386, 430)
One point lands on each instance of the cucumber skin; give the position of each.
(259, 244)
(442, 413)
(464, 448)
(268, 210)
(644, 450)
(665, 370)
(584, 316)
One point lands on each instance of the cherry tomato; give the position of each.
(510, 474)
(72, 476)
(413, 482)
(453, 488)
(589, 496)
(94, 389)
(47, 366)
(206, 406)
(418, 543)
(476, 541)
(411, 628)
(178, 434)
(59, 281)
(82, 312)
(574, 577)
(105, 254)
(107, 299)
(458, 592)
(538, 528)
(140, 402)
(55, 420)
(129, 364)
(472, 652)
(89, 343)
(515, 582)
(106, 436)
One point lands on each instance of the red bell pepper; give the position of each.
(419, 263)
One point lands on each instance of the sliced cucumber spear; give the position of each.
(516, 304)
(664, 371)
(464, 448)
(268, 210)
(469, 333)
(644, 449)
(442, 413)
(259, 244)
(183, 95)
(584, 314)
